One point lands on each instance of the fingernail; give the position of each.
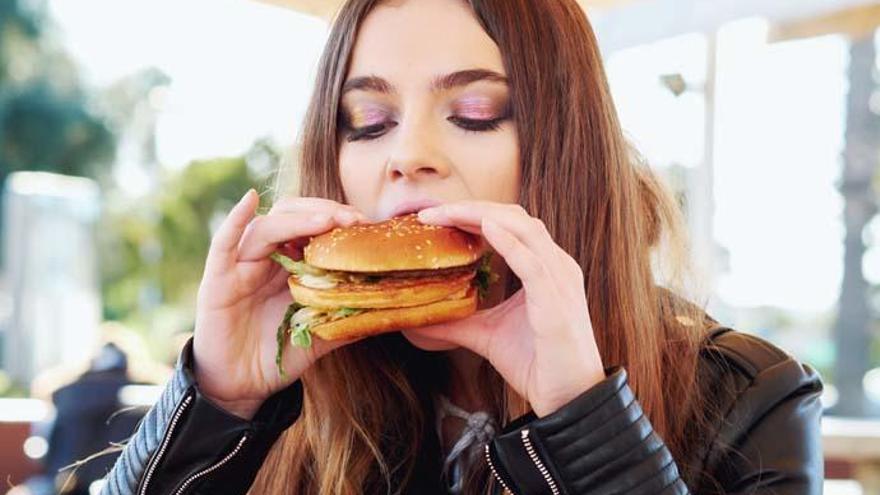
(320, 218)
(430, 214)
(490, 225)
(346, 217)
(246, 196)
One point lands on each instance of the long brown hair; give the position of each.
(367, 405)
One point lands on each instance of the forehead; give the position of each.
(411, 41)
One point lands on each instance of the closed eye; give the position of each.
(369, 132)
(374, 131)
(477, 125)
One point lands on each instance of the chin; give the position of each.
(427, 343)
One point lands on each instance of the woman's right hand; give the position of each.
(243, 296)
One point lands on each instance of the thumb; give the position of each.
(471, 332)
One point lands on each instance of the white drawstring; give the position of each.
(479, 430)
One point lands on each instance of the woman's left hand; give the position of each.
(540, 339)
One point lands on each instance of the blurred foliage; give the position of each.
(47, 121)
(8, 388)
(153, 249)
(152, 246)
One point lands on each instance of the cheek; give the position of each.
(358, 177)
(489, 166)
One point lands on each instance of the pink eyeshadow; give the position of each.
(367, 116)
(475, 108)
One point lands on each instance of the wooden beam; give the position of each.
(856, 22)
(326, 9)
(641, 22)
(623, 23)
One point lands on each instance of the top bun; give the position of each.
(400, 243)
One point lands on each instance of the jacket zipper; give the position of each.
(165, 440)
(210, 469)
(527, 442)
(494, 472)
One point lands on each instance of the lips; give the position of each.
(411, 206)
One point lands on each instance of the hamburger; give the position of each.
(368, 279)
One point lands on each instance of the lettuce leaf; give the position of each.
(485, 277)
(281, 335)
(343, 312)
(295, 267)
(287, 263)
(301, 335)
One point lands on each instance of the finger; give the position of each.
(344, 214)
(513, 218)
(264, 276)
(266, 233)
(317, 205)
(471, 332)
(298, 202)
(222, 253)
(532, 232)
(539, 284)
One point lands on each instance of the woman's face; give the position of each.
(425, 112)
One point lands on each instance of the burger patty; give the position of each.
(387, 292)
(392, 282)
(428, 273)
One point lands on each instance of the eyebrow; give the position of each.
(439, 83)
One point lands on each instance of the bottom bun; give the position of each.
(392, 319)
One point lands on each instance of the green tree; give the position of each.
(46, 120)
(153, 249)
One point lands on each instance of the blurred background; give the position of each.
(129, 127)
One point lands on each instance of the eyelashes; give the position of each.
(477, 125)
(369, 132)
(374, 131)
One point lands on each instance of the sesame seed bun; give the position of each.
(400, 243)
(396, 274)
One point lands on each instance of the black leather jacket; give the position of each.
(600, 443)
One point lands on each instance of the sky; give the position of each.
(242, 70)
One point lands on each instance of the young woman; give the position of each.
(581, 374)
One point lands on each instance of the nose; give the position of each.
(416, 156)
